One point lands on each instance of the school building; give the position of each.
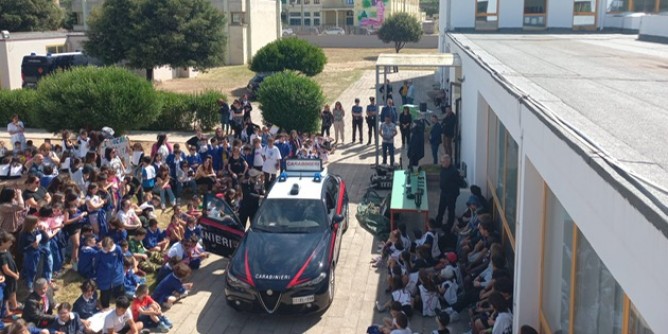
(567, 134)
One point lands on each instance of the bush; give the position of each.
(23, 102)
(180, 112)
(175, 113)
(206, 109)
(289, 54)
(91, 97)
(291, 101)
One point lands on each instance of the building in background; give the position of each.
(251, 24)
(517, 15)
(347, 14)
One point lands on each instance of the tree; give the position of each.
(152, 33)
(289, 54)
(291, 101)
(94, 97)
(400, 28)
(30, 15)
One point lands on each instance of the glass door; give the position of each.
(584, 14)
(535, 14)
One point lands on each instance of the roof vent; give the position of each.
(294, 190)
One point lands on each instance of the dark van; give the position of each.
(35, 66)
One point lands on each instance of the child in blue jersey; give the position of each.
(116, 230)
(156, 239)
(87, 255)
(192, 228)
(29, 241)
(131, 280)
(109, 271)
(172, 287)
(87, 304)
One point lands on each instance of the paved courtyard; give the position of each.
(358, 284)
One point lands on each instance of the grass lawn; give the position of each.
(344, 66)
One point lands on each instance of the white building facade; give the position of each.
(517, 15)
(588, 248)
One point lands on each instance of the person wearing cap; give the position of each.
(371, 113)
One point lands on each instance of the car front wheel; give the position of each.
(332, 285)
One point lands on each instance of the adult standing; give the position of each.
(403, 91)
(449, 184)
(371, 113)
(389, 110)
(386, 90)
(16, 131)
(388, 131)
(416, 145)
(327, 118)
(449, 129)
(272, 162)
(250, 202)
(357, 120)
(237, 117)
(435, 137)
(405, 121)
(410, 96)
(224, 115)
(339, 114)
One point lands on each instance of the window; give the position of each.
(350, 19)
(578, 293)
(316, 2)
(237, 18)
(599, 299)
(644, 6)
(584, 13)
(502, 164)
(617, 6)
(637, 324)
(557, 259)
(534, 13)
(350, 2)
(56, 49)
(663, 5)
(486, 14)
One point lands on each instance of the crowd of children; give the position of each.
(77, 201)
(445, 271)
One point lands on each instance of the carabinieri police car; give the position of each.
(285, 262)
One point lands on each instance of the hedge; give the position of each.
(182, 111)
(94, 97)
(23, 102)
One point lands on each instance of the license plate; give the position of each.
(303, 300)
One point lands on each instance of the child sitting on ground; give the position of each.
(172, 288)
(148, 311)
(156, 239)
(149, 261)
(87, 304)
(175, 229)
(131, 280)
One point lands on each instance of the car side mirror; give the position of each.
(337, 219)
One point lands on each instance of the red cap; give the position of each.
(451, 256)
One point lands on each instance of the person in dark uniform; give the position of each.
(416, 144)
(371, 113)
(449, 184)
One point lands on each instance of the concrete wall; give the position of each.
(654, 27)
(511, 14)
(462, 14)
(11, 56)
(627, 22)
(262, 25)
(619, 233)
(365, 41)
(560, 14)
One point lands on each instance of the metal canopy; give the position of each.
(418, 60)
(387, 61)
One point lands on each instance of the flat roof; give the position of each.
(611, 87)
(32, 35)
(415, 60)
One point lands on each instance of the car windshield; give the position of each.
(289, 215)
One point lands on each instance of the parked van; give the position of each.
(35, 66)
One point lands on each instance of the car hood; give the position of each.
(273, 260)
